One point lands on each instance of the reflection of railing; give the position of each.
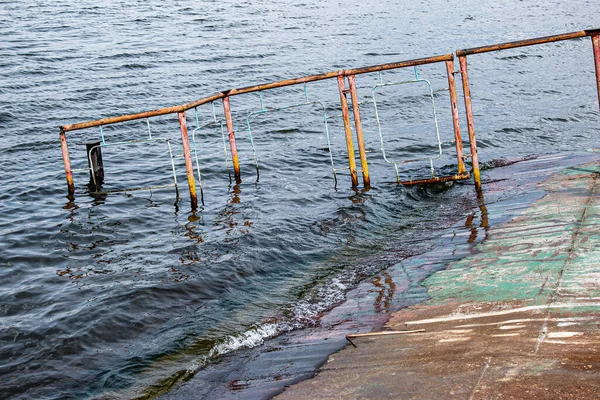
(341, 76)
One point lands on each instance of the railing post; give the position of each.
(359, 132)
(596, 45)
(470, 126)
(188, 160)
(347, 129)
(234, 154)
(67, 162)
(455, 117)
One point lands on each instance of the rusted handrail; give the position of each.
(257, 88)
(527, 42)
(340, 75)
(462, 58)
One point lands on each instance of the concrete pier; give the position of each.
(517, 318)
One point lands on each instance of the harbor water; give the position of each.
(105, 296)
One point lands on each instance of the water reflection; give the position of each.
(72, 207)
(191, 228)
(231, 218)
(386, 289)
(483, 218)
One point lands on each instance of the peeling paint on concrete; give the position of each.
(517, 318)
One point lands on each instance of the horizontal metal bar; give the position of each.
(522, 43)
(134, 142)
(592, 32)
(250, 89)
(141, 115)
(402, 64)
(461, 177)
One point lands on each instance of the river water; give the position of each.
(107, 294)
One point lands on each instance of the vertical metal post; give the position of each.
(234, 154)
(596, 44)
(188, 160)
(95, 163)
(359, 132)
(67, 162)
(470, 126)
(347, 130)
(455, 118)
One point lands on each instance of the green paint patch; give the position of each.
(547, 252)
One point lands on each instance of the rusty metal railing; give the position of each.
(462, 59)
(342, 76)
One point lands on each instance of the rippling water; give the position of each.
(107, 292)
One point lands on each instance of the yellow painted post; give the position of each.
(470, 126)
(359, 132)
(188, 161)
(455, 118)
(347, 130)
(234, 154)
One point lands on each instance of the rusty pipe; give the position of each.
(437, 179)
(347, 130)
(67, 162)
(256, 88)
(455, 117)
(470, 125)
(596, 45)
(188, 161)
(359, 132)
(522, 43)
(234, 153)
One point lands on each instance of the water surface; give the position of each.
(99, 291)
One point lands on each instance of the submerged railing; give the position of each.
(462, 59)
(346, 80)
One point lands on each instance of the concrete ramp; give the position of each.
(517, 319)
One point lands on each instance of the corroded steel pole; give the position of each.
(455, 118)
(522, 43)
(67, 162)
(189, 168)
(359, 132)
(234, 154)
(347, 129)
(470, 126)
(596, 44)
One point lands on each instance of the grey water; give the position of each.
(104, 295)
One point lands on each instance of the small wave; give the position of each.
(306, 312)
(136, 66)
(559, 119)
(519, 57)
(524, 129)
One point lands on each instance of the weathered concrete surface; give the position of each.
(519, 318)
